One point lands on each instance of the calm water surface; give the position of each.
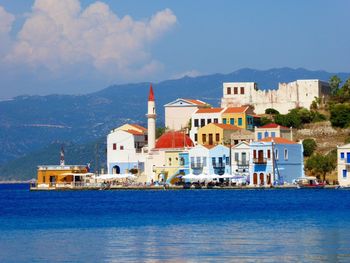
(174, 226)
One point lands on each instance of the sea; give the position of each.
(296, 225)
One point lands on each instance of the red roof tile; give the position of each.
(138, 127)
(236, 109)
(227, 126)
(198, 102)
(173, 139)
(135, 132)
(273, 125)
(209, 110)
(278, 140)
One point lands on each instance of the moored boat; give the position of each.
(309, 182)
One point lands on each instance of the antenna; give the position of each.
(62, 156)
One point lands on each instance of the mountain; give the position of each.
(31, 123)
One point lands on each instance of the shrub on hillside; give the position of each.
(340, 115)
(271, 111)
(309, 147)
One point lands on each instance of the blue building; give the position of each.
(275, 161)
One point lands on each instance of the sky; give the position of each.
(81, 46)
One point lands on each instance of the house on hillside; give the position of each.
(273, 130)
(343, 164)
(216, 133)
(178, 112)
(242, 117)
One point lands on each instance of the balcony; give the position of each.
(197, 165)
(242, 163)
(260, 160)
(218, 165)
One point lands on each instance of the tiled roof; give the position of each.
(209, 110)
(197, 102)
(173, 139)
(278, 140)
(138, 127)
(236, 109)
(227, 126)
(135, 132)
(273, 125)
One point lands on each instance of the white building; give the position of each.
(273, 130)
(178, 113)
(240, 155)
(124, 148)
(299, 93)
(344, 165)
(203, 117)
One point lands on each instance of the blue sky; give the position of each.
(74, 47)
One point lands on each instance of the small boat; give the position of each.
(309, 182)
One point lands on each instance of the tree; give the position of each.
(321, 164)
(334, 83)
(340, 115)
(309, 146)
(160, 131)
(264, 121)
(271, 111)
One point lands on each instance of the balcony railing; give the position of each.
(218, 165)
(242, 163)
(260, 160)
(196, 165)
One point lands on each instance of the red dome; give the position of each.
(174, 140)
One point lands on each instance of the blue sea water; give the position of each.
(174, 226)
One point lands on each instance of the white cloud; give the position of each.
(6, 20)
(190, 73)
(59, 34)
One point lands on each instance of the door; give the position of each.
(255, 178)
(262, 178)
(210, 139)
(260, 156)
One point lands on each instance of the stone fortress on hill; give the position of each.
(299, 93)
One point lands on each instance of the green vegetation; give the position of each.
(309, 147)
(265, 120)
(160, 131)
(340, 115)
(271, 111)
(320, 165)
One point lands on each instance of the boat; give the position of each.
(309, 182)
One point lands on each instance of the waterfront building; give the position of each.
(60, 175)
(343, 165)
(273, 130)
(215, 133)
(275, 161)
(125, 149)
(242, 117)
(240, 155)
(210, 160)
(299, 93)
(169, 158)
(203, 117)
(178, 112)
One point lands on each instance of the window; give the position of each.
(213, 161)
(204, 138)
(232, 121)
(259, 136)
(114, 146)
(182, 161)
(198, 160)
(146, 137)
(202, 122)
(196, 124)
(216, 120)
(217, 137)
(285, 154)
(266, 134)
(239, 121)
(227, 160)
(228, 90)
(344, 173)
(235, 90)
(273, 134)
(224, 121)
(169, 161)
(192, 160)
(208, 121)
(254, 154)
(342, 155)
(276, 154)
(236, 157)
(195, 137)
(242, 90)
(204, 161)
(121, 147)
(269, 154)
(44, 179)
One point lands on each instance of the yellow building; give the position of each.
(216, 133)
(241, 117)
(52, 175)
